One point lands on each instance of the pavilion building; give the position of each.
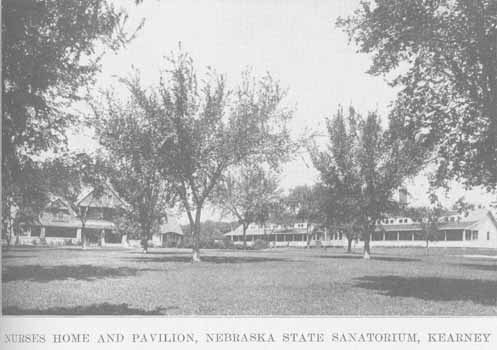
(476, 229)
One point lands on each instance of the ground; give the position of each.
(284, 281)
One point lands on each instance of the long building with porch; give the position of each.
(476, 229)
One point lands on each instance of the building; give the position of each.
(61, 223)
(169, 233)
(294, 235)
(476, 229)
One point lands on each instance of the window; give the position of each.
(454, 235)
(475, 235)
(391, 221)
(467, 235)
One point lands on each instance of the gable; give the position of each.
(107, 199)
(57, 204)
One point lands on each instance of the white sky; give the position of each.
(296, 41)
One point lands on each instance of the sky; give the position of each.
(296, 41)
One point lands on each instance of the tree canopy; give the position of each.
(247, 194)
(50, 50)
(132, 134)
(360, 170)
(209, 129)
(443, 56)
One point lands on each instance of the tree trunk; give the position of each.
(196, 237)
(244, 227)
(9, 231)
(308, 236)
(349, 243)
(83, 236)
(367, 250)
(145, 244)
(102, 238)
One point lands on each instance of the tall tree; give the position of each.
(340, 178)
(362, 168)
(443, 55)
(246, 194)
(49, 52)
(133, 133)
(213, 130)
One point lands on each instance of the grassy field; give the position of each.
(400, 281)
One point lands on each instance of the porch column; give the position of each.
(102, 237)
(42, 232)
(383, 236)
(463, 234)
(445, 235)
(398, 235)
(78, 234)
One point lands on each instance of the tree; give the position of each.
(213, 130)
(362, 167)
(305, 204)
(429, 221)
(50, 50)
(132, 133)
(340, 178)
(444, 58)
(247, 194)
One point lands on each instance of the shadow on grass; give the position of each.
(18, 256)
(433, 288)
(94, 309)
(38, 273)
(483, 267)
(207, 259)
(359, 257)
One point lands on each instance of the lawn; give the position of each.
(284, 281)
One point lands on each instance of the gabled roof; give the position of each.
(57, 202)
(108, 199)
(170, 224)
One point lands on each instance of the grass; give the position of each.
(397, 281)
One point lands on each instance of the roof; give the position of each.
(260, 231)
(57, 202)
(462, 225)
(108, 199)
(170, 224)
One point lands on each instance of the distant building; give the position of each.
(59, 223)
(294, 235)
(477, 229)
(169, 233)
